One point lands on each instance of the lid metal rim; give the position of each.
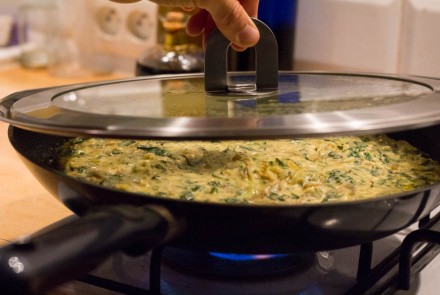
(167, 132)
(425, 113)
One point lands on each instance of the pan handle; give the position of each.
(266, 51)
(61, 253)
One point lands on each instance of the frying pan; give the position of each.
(112, 220)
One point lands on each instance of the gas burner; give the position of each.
(349, 271)
(236, 265)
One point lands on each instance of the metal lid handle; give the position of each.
(266, 52)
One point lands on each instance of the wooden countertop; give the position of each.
(25, 206)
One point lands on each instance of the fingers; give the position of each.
(232, 17)
(125, 1)
(202, 23)
(233, 21)
(197, 23)
(251, 7)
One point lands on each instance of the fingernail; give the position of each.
(248, 36)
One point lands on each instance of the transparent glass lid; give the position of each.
(177, 106)
(185, 97)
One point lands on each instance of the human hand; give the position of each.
(231, 17)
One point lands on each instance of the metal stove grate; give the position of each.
(393, 273)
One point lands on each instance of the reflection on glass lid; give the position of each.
(170, 98)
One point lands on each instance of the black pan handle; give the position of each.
(61, 253)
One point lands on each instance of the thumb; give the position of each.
(233, 21)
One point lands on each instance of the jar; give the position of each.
(37, 25)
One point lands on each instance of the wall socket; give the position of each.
(121, 32)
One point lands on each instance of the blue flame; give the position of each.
(245, 257)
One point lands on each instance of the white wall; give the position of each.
(420, 47)
(9, 6)
(384, 36)
(351, 35)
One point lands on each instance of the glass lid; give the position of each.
(177, 106)
(217, 104)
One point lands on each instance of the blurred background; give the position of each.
(82, 36)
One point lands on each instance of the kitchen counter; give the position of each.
(25, 206)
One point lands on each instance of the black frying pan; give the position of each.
(114, 220)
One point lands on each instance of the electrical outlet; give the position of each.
(122, 31)
(108, 20)
(139, 23)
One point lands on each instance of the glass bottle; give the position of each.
(176, 52)
(36, 30)
(280, 16)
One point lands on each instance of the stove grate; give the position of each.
(393, 273)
